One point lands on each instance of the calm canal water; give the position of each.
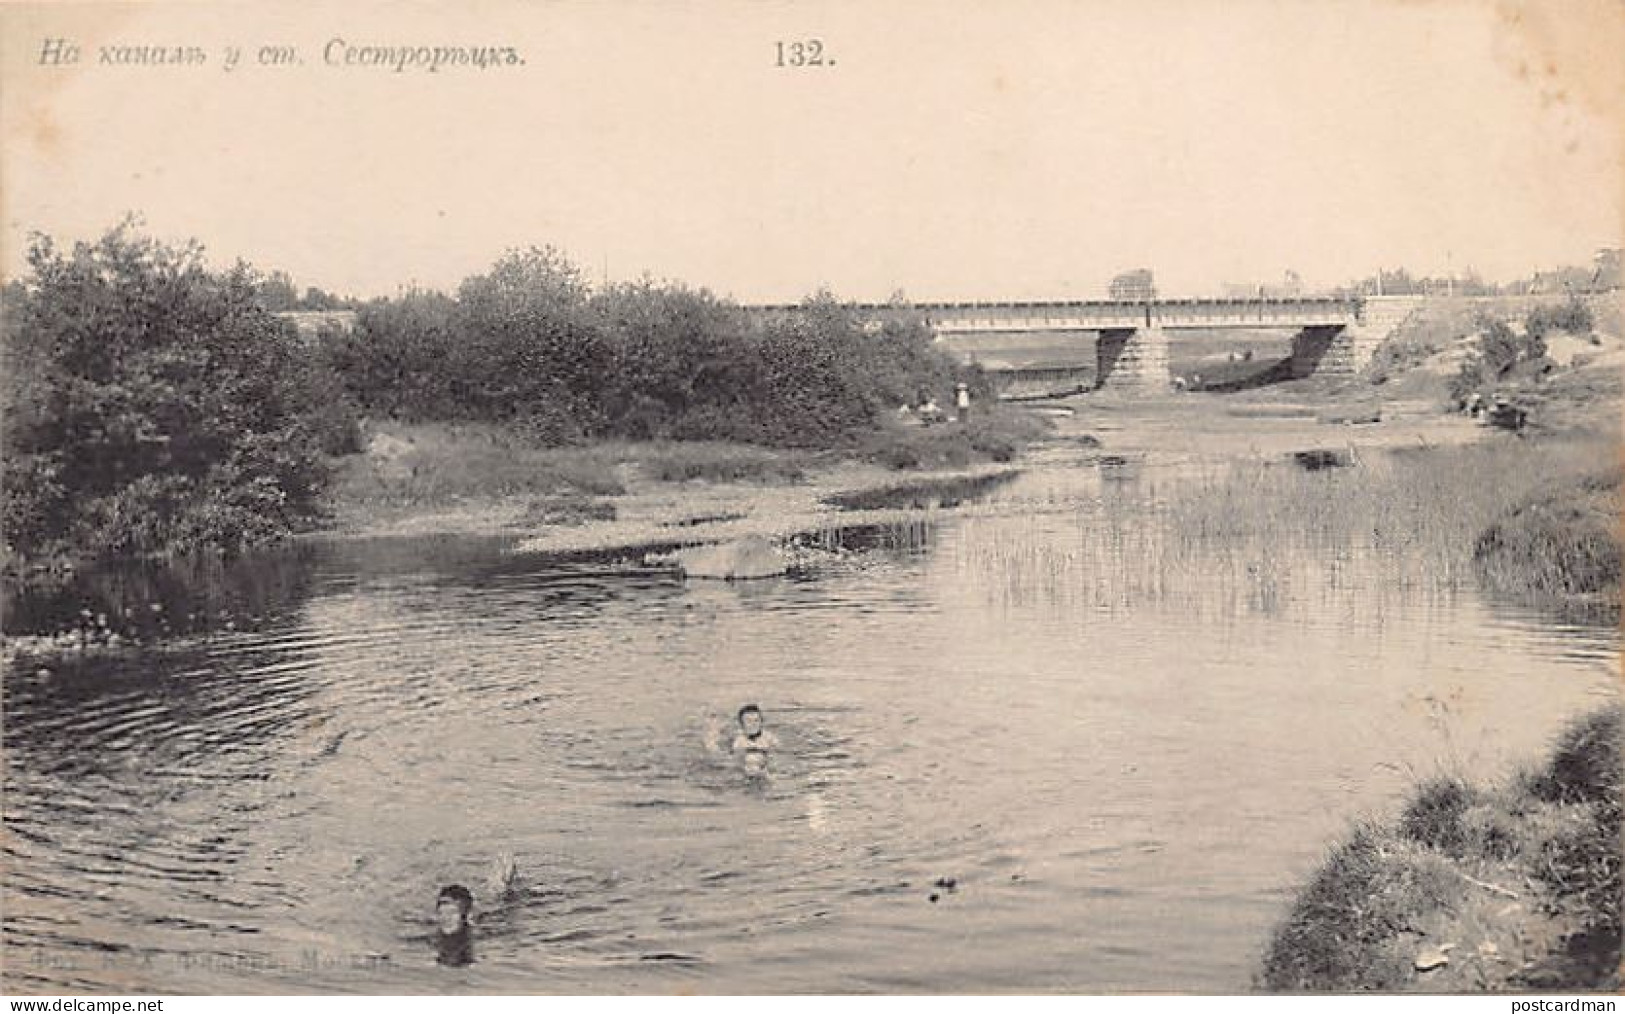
(1126, 771)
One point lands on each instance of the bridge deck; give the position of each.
(1098, 315)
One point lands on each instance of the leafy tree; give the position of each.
(277, 293)
(395, 361)
(680, 365)
(153, 407)
(529, 350)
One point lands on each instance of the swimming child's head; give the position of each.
(750, 720)
(451, 908)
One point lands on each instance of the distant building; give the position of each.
(1607, 269)
(312, 323)
(1138, 284)
(1290, 287)
(1570, 279)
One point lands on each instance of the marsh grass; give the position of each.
(1558, 545)
(1261, 536)
(1423, 514)
(1518, 885)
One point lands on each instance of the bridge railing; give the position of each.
(1084, 314)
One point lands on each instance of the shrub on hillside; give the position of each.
(1572, 316)
(1500, 351)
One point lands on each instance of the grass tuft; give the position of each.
(1434, 817)
(1585, 765)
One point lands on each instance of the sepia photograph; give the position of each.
(769, 497)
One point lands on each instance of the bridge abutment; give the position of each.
(1133, 359)
(1345, 350)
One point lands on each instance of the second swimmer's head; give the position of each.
(750, 720)
(451, 908)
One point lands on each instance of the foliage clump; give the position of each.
(529, 344)
(1500, 353)
(154, 408)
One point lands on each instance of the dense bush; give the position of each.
(393, 362)
(1572, 316)
(676, 368)
(153, 408)
(1500, 349)
(528, 345)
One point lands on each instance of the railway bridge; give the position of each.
(1333, 334)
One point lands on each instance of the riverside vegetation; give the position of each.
(1514, 885)
(157, 409)
(1473, 887)
(1491, 887)
(1505, 887)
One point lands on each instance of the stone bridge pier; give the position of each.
(1133, 360)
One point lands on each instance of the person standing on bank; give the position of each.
(962, 402)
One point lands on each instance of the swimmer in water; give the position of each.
(454, 937)
(752, 744)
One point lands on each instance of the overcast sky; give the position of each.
(954, 150)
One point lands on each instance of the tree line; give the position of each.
(530, 344)
(155, 407)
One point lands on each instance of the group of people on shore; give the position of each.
(927, 412)
(454, 905)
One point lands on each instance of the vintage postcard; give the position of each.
(1061, 496)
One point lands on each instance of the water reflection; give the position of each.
(148, 603)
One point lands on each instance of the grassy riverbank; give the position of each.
(1560, 546)
(158, 409)
(482, 476)
(1474, 888)
(1533, 520)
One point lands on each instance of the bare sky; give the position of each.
(954, 150)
